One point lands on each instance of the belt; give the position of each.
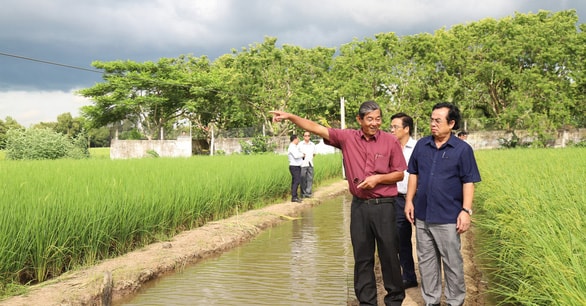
(401, 195)
(376, 201)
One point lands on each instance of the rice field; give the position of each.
(62, 214)
(530, 212)
(531, 222)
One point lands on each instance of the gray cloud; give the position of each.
(77, 32)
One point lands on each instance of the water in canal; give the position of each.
(307, 261)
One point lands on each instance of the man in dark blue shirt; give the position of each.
(439, 197)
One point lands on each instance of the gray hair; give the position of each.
(367, 107)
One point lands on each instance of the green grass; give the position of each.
(531, 222)
(62, 214)
(58, 215)
(100, 153)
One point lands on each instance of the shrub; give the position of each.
(44, 144)
(259, 144)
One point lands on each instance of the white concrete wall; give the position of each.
(182, 147)
(122, 149)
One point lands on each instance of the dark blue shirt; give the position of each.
(441, 175)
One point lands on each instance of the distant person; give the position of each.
(463, 135)
(295, 159)
(307, 147)
(442, 172)
(373, 163)
(402, 127)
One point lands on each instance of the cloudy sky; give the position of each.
(74, 33)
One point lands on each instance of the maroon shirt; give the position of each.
(362, 158)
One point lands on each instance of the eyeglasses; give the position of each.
(437, 121)
(305, 135)
(396, 127)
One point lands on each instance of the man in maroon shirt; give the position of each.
(374, 163)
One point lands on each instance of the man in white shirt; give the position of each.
(295, 159)
(307, 147)
(402, 128)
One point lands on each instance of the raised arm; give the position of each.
(303, 123)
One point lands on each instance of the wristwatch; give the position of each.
(468, 211)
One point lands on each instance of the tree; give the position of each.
(363, 71)
(517, 70)
(5, 126)
(149, 94)
(66, 125)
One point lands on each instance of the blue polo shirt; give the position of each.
(441, 174)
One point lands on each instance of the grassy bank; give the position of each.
(531, 220)
(57, 215)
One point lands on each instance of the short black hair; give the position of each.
(453, 113)
(406, 119)
(462, 133)
(293, 137)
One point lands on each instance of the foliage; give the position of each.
(532, 227)
(258, 144)
(526, 71)
(153, 153)
(44, 144)
(88, 210)
(6, 125)
(66, 125)
(513, 142)
(11, 289)
(152, 94)
(579, 144)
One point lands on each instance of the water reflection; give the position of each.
(307, 261)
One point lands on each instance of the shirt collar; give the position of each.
(451, 141)
(374, 137)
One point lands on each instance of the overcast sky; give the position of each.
(76, 32)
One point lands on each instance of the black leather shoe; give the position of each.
(409, 284)
(298, 200)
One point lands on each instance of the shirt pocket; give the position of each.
(381, 163)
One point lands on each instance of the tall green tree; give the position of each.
(150, 94)
(416, 89)
(364, 71)
(518, 69)
(269, 77)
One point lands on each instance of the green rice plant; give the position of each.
(62, 214)
(99, 153)
(531, 221)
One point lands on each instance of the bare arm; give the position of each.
(411, 188)
(463, 222)
(303, 123)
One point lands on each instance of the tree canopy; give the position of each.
(525, 71)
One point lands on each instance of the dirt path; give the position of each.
(119, 277)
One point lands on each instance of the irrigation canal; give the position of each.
(299, 262)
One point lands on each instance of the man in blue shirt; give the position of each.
(439, 197)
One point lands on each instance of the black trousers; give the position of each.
(405, 231)
(373, 227)
(295, 180)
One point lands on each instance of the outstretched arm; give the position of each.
(303, 123)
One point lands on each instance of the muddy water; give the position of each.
(307, 261)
